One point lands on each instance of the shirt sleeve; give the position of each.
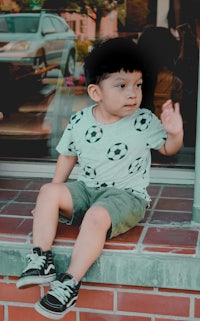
(66, 145)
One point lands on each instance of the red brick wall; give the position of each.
(101, 302)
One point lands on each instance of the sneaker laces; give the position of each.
(34, 261)
(61, 290)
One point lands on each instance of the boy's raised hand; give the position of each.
(171, 117)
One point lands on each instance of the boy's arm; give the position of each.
(173, 124)
(64, 166)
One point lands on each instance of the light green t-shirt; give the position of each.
(115, 154)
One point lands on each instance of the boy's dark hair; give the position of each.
(111, 56)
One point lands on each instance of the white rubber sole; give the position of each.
(33, 280)
(49, 314)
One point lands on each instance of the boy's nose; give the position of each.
(132, 93)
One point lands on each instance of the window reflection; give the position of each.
(41, 69)
(71, 96)
(18, 24)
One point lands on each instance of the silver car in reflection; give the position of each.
(36, 42)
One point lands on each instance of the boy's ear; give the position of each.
(94, 92)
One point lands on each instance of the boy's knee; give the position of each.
(45, 187)
(48, 188)
(98, 216)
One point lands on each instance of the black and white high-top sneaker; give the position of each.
(60, 298)
(40, 269)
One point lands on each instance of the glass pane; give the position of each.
(41, 74)
(16, 24)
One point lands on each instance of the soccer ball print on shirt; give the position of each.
(113, 154)
(142, 121)
(117, 151)
(94, 134)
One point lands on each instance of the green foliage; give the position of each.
(82, 48)
(25, 4)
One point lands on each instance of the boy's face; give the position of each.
(120, 94)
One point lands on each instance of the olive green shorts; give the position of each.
(125, 208)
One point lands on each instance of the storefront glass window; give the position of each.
(41, 70)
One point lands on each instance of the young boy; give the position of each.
(111, 141)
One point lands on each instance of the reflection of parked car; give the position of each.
(32, 41)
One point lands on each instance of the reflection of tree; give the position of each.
(101, 8)
(25, 4)
(95, 9)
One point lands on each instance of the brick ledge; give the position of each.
(117, 267)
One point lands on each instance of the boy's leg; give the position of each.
(40, 267)
(52, 198)
(89, 244)
(90, 241)
(88, 247)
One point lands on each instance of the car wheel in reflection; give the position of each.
(70, 65)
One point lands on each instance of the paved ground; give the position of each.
(167, 226)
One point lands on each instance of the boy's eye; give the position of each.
(121, 85)
(139, 85)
